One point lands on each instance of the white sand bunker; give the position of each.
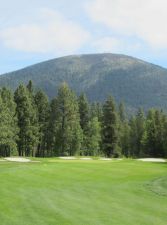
(67, 157)
(17, 159)
(86, 158)
(109, 159)
(152, 160)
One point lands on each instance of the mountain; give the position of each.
(136, 82)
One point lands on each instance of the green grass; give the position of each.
(59, 192)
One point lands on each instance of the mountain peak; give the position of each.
(136, 82)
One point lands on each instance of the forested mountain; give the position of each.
(128, 79)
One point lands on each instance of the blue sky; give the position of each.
(32, 31)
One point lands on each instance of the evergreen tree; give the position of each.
(30, 87)
(137, 130)
(110, 129)
(84, 121)
(52, 149)
(8, 128)
(66, 128)
(124, 134)
(133, 136)
(160, 131)
(84, 112)
(155, 134)
(126, 140)
(121, 112)
(94, 137)
(42, 104)
(164, 121)
(27, 122)
(124, 131)
(96, 110)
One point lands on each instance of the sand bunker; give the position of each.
(86, 158)
(152, 160)
(67, 157)
(17, 159)
(109, 159)
(72, 158)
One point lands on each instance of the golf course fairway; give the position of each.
(78, 192)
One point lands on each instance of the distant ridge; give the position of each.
(134, 81)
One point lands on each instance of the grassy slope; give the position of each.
(81, 193)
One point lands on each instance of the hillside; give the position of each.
(134, 81)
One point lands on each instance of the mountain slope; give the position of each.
(134, 81)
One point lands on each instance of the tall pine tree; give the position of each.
(94, 137)
(27, 122)
(84, 121)
(110, 129)
(66, 128)
(42, 105)
(8, 127)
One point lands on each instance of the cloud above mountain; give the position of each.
(144, 19)
(33, 31)
(50, 32)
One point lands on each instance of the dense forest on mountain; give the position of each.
(31, 125)
(138, 83)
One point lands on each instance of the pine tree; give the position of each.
(160, 130)
(83, 111)
(121, 112)
(42, 105)
(133, 136)
(30, 87)
(155, 135)
(52, 149)
(96, 111)
(84, 121)
(66, 128)
(126, 140)
(27, 122)
(140, 125)
(124, 131)
(137, 131)
(124, 135)
(110, 129)
(8, 128)
(164, 121)
(94, 137)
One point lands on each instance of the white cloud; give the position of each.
(107, 44)
(116, 44)
(51, 33)
(144, 19)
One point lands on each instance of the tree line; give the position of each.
(31, 125)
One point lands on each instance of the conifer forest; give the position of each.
(67, 125)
